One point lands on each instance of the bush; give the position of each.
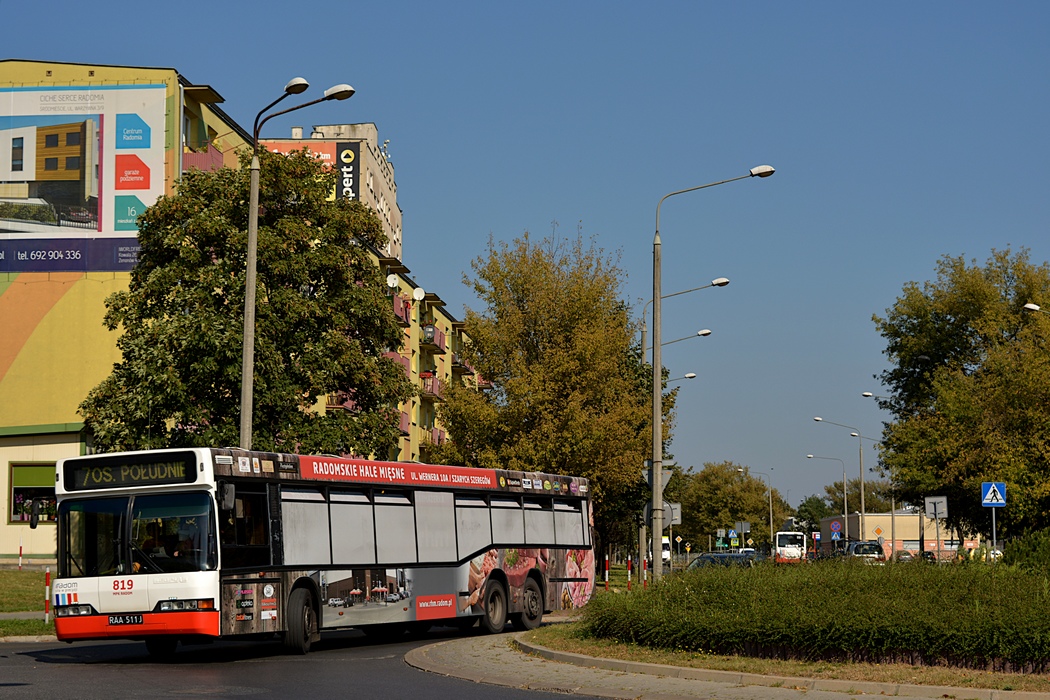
(1030, 551)
(989, 617)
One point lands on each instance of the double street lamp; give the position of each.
(717, 282)
(294, 87)
(658, 427)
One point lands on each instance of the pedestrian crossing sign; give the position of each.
(993, 494)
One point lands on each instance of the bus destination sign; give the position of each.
(123, 471)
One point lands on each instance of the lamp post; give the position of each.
(658, 427)
(717, 282)
(769, 487)
(687, 375)
(294, 87)
(845, 490)
(703, 333)
(860, 445)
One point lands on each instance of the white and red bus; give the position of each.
(789, 547)
(203, 543)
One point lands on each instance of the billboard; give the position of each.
(343, 157)
(78, 164)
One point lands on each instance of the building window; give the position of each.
(73, 138)
(50, 163)
(50, 140)
(16, 154)
(73, 163)
(29, 483)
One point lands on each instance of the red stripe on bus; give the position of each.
(98, 627)
(407, 473)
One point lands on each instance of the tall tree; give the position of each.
(569, 393)
(970, 386)
(812, 510)
(720, 495)
(322, 320)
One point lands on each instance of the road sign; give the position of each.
(750, 542)
(688, 546)
(732, 534)
(672, 513)
(836, 526)
(835, 536)
(993, 494)
(665, 476)
(879, 531)
(816, 536)
(720, 533)
(936, 507)
(734, 542)
(678, 539)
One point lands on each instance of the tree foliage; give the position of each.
(720, 495)
(569, 392)
(970, 387)
(322, 320)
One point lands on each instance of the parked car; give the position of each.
(871, 552)
(905, 555)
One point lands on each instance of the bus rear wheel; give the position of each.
(495, 617)
(531, 614)
(161, 648)
(302, 622)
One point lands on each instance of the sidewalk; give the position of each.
(507, 660)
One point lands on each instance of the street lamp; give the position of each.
(294, 87)
(703, 333)
(717, 282)
(860, 445)
(687, 375)
(845, 508)
(769, 487)
(1035, 307)
(658, 426)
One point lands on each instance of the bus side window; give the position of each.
(244, 531)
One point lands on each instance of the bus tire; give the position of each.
(495, 617)
(302, 622)
(161, 648)
(531, 614)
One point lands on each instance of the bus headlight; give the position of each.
(72, 610)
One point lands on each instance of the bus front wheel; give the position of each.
(495, 617)
(302, 622)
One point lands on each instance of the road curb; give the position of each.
(30, 639)
(754, 679)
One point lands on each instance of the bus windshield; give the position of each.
(791, 539)
(138, 534)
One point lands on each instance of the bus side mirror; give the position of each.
(227, 496)
(34, 515)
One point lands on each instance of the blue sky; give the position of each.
(901, 132)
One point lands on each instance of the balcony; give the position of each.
(207, 160)
(405, 423)
(401, 360)
(433, 388)
(460, 366)
(437, 436)
(432, 339)
(402, 310)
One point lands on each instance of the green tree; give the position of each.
(569, 392)
(876, 496)
(812, 510)
(720, 495)
(970, 386)
(322, 320)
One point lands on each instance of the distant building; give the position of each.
(900, 531)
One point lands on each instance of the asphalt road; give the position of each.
(341, 665)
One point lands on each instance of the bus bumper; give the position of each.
(168, 623)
